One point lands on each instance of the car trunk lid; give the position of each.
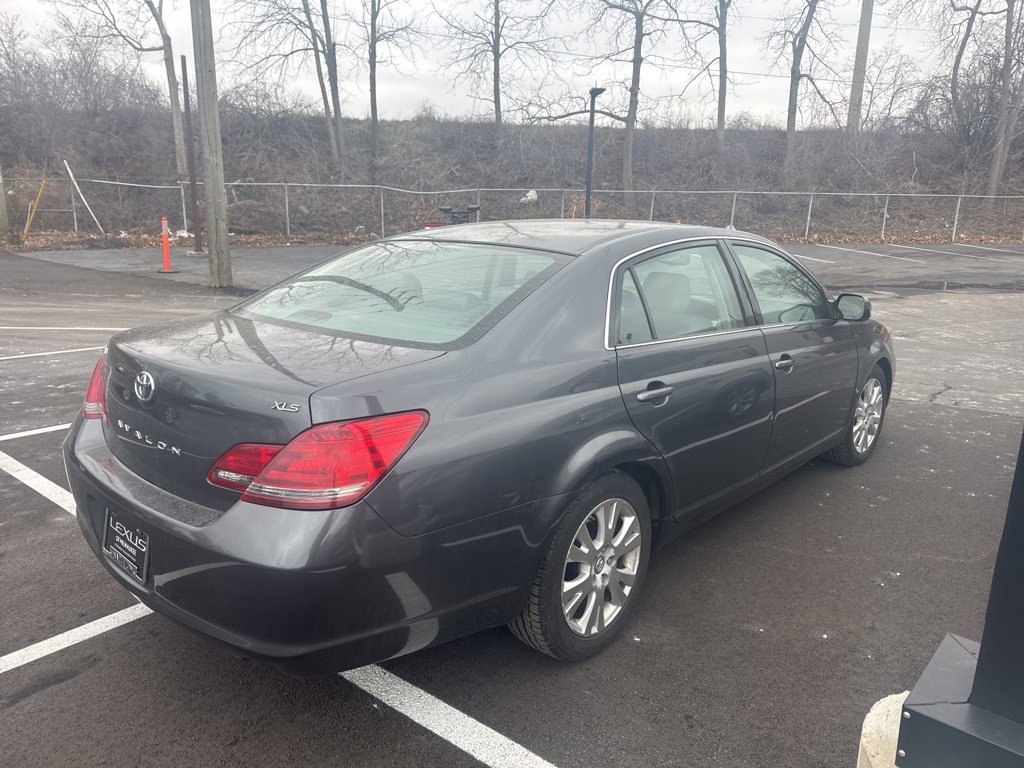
(180, 394)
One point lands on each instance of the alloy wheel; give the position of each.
(601, 567)
(868, 418)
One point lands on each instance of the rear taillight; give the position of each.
(96, 394)
(240, 466)
(326, 467)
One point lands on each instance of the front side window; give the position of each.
(684, 292)
(418, 292)
(783, 292)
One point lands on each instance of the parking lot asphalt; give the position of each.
(932, 266)
(762, 638)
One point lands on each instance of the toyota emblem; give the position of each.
(145, 387)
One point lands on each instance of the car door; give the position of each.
(693, 369)
(814, 356)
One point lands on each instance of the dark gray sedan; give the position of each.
(451, 430)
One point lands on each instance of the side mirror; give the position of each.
(850, 306)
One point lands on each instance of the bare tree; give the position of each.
(484, 43)
(721, 32)
(279, 38)
(1008, 109)
(891, 88)
(135, 24)
(958, 59)
(331, 61)
(986, 76)
(334, 133)
(633, 30)
(805, 40)
(379, 32)
(695, 29)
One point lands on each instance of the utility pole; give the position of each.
(5, 223)
(190, 153)
(213, 161)
(860, 66)
(594, 93)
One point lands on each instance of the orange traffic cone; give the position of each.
(167, 247)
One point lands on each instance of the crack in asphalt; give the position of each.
(945, 388)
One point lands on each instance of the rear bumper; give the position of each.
(309, 592)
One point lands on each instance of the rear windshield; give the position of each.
(423, 293)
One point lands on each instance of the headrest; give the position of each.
(668, 291)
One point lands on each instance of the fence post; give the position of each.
(651, 217)
(478, 205)
(807, 228)
(184, 216)
(74, 211)
(562, 214)
(885, 216)
(732, 215)
(287, 213)
(381, 190)
(956, 218)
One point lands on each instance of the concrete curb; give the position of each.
(880, 733)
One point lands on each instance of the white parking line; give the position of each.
(471, 736)
(58, 352)
(31, 432)
(989, 248)
(869, 253)
(38, 483)
(71, 637)
(462, 731)
(948, 253)
(811, 258)
(53, 328)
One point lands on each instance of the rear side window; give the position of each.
(424, 293)
(680, 293)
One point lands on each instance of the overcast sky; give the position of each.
(757, 88)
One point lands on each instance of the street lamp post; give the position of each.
(594, 93)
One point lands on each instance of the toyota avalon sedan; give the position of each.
(455, 429)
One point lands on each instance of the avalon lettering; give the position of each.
(146, 439)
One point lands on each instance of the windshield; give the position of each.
(423, 293)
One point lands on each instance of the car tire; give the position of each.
(600, 552)
(869, 414)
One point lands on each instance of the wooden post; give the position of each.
(860, 65)
(32, 211)
(213, 161)
(78, 189)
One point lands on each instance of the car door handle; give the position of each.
(655, 394)
(785, 363)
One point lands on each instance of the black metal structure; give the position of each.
(459, 217)
(967, 710)
(594, 93)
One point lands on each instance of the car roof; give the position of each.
(574, 236)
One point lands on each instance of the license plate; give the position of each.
(126, 546)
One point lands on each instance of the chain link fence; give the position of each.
(286, 208)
